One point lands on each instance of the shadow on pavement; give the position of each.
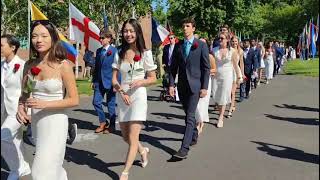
(83, 124)
(82, 157)
(153, 98)
(305, 121)
(166, 126)
(287, 152)
(169, 115)
(88, 111)
(4, 175)
(4, 168)
(303, 108)
(156, 142)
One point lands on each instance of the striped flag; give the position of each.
(159, 33)
(36, 14)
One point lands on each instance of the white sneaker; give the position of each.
(267, 82)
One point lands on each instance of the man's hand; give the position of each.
(171, 91)
(203, 93)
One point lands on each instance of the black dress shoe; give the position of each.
(181, 155)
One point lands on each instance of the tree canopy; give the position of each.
(263, 19)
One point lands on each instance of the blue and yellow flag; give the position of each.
(36, 14)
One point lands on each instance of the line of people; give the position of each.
(48, 87)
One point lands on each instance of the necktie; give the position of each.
(186, 48)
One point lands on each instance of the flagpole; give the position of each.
(77, 47)
(29, 24)
(77, 61)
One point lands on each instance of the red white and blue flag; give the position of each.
(159, 33)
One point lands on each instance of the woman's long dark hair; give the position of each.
(57, 52)
(140, 44)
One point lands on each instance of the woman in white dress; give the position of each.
(239, 51)
(262, 64)
(202, 114)
(51, 76)
(226, 59)
(268, 58)
(134, 62)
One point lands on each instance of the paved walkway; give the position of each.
(273, 136)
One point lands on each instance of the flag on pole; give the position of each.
(36, 15)
(313, 41)
(317, 28)
(159, 33)
(82, 29)
(167, 40)
(105, 18)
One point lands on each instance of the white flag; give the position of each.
(82, 29)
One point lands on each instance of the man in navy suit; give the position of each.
(191, 58)
(250, 59)
(102, 85)
(167, 53)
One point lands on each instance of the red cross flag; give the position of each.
(82, 29)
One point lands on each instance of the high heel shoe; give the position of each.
(144, 163)
(220, 124)
(124, 176)
(231, 111)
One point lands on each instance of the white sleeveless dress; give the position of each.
(269, 66)
(50, 128)
(222, 81)
(202, 113)
(137, 111)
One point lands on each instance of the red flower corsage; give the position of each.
(16, 67)
(195, 45)
(35, 71)
(136, 58)
(109, 53)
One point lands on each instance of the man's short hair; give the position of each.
(12, 41)
(189, 20)
(107, 33)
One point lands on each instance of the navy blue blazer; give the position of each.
(251, 63)
(165, 55)
(196, 66)
(103, 67)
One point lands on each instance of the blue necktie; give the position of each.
(186, 48)
(103, 52)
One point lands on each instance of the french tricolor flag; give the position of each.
(159, 33)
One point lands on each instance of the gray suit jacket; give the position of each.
(193, 70)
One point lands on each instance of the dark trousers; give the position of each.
(189, 102)
(245, 86)
(275, 66)
(99, 93)
(278, 65)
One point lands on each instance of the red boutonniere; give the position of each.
(109, 53)
(35, 71)
(136, 58)
(16, 67)
(195, 45)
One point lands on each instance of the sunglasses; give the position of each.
(171, 37)
(221, 38)
(102, 37)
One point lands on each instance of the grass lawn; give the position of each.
(305, 68)
(84, 86)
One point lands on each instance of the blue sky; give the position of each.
(163, 3)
